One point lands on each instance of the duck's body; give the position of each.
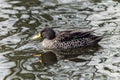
(68, 39)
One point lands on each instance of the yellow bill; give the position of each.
(38, 36)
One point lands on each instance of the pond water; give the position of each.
(20, 57)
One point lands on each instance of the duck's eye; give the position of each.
(43, 34)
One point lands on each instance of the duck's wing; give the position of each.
(71, 35)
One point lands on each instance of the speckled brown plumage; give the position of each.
(68, 39)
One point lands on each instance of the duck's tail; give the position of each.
(98, 38)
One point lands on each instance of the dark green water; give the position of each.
(21, 19)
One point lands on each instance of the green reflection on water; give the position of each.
(20, 20)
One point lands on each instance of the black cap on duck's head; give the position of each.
(47, 33)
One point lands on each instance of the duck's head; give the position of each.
(47, 33)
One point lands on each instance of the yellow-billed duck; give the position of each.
(67, 39)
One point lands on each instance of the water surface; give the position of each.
(21, 19)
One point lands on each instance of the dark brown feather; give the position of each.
(70, 35)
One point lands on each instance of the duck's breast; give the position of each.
(48, 44)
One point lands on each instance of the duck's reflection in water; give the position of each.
(50, 57)
(26, 65)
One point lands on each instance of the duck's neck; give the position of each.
(46, 43)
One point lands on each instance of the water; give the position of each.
(20, 57)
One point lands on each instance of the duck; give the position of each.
(69, 39)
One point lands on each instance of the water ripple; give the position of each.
(20, 58)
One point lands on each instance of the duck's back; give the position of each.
(74, 39)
